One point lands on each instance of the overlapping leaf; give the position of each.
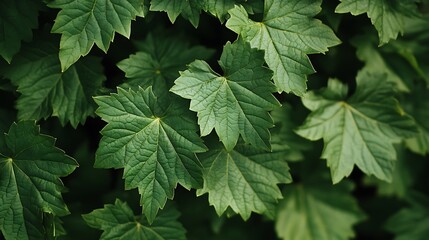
(118, 222)
(236, 103)
(83, 23)
(411, 222)
(359, 130)
(317, 211)
(158, 62)
(30, 168)
(419, 105)
(189, 9)
(244, 179)
(47, 91)
(388, 16)
(287, 33)
(17, 18)
(154, 140)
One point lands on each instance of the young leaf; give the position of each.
(190, 9)
(154, 140)
(118, 222)
(287, 33)
(236, 103)
(317, 211)
(17, 18)
(30, 167)
(159, 61)
(387, 16)
(66, 95)
(244, 179)
(360, 130)
(85, 22)
(411, 222)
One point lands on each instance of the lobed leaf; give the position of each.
(236, 103)
(83, 23)
(360, 130)
(30, 185)
(244, 179)
(287, 33)
(154, 140)
(118, 222)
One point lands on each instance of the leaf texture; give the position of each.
(46, 91)
(359, 130)
(388, 16)
(287, 33)
(189, 9)
(154, 140)
(83, 23)
(244, 179)
(30, 185)
(236, 103)
(118, 222)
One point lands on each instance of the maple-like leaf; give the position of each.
(218, 8)
(388, 16)
(358, 130)
(317, 210)
(154, 139)
(287, 33)
(119, 222)
(17, 19)
(30, 185)
(411, 222)
(244, 179)
(189, 9)
(158, 62)
(236, 103)
(82, 23)
(46, 91)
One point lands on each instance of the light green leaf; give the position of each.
(154, 140)
(159, 61)
(118, 222)
(359, 130)
(30, 167)
(411, 222)
(218, 8)
(317, 211)
(388, 16)
(236, 103)
(17, 18)
(66, 95)
(82, 23)
(244, 179)
(287, 33)
(189, 9)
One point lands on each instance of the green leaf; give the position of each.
(218, 8)
(287, 33)
(411, 222)
(17, 19)
(244, 179)
(30, 167)
(189, 9)
(82, 23)
(159, 61)
(118, 222)
(66, 95)
(317, 210)
(154, 140)
(359, 130)
(419, 104)
(236, 103)
(377, 63)
(388, 16)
